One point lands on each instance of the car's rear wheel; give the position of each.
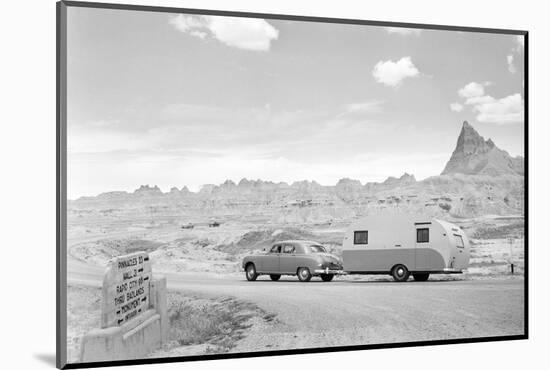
(421, 276)
(327, 277)
(251, 273)
(400, 273)
(275, 277)
(304, 274)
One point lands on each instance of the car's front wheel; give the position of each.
(275, 277)
(304, 274)
(327, 277)
(251, 273)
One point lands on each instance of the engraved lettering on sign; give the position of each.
(126, 288)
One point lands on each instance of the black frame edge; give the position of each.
(61, 185)
(526, 182)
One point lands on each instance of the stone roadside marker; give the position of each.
(134, 318)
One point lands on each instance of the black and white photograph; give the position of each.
(245, 184)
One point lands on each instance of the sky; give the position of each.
(185, 100)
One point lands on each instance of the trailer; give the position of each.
(401, 245)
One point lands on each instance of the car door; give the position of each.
(287, 261)
(271, 260)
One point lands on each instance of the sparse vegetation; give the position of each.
(218, 322)
(515, 230)
(445, 206)
(259, 239)
(102, 250)
(125, 246)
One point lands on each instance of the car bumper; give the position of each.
(328, 271)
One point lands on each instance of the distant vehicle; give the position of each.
(188, 226)
(293, 257)
(403, 245)
(214, 224)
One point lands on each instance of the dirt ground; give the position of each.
(198, 324)
(496, 242)
(213, 309)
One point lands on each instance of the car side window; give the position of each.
(276, 249)
(289, 248)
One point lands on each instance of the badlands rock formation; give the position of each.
(479, 179)
(474, 155)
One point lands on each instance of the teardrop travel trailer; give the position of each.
(401, 245)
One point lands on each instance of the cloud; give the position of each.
(472, 89)
(457, 107)
(488, 109)
(517, 49)
(509, 109)
(372, 106)
(393, 73)
(242, 33)
(520, 40)
(200, 34)
(474, 100)
(403, 31)
(510, 61)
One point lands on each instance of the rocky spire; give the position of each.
(470, 142)
(475, 155)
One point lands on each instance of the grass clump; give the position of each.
(220, 322)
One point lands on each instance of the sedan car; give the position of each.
(293, 257)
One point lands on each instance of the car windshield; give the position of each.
(317, 249)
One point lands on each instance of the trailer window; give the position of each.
(422, 235)
(361, 237)
(458, 241)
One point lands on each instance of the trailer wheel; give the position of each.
(327, 277)
(251, 273)
(304, 274)
(275, 277)
(400, 273)
(421, 276)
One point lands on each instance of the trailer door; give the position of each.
(422, 246)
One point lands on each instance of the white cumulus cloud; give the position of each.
(243, 33)
(510, 61)
(393, 73)
(471, 90)
(520, 39)
(372, 106)
(199, 34)
(457, 107)
(403, 31)
(475, 100)
(509, 109)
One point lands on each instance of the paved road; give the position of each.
(358, 312)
